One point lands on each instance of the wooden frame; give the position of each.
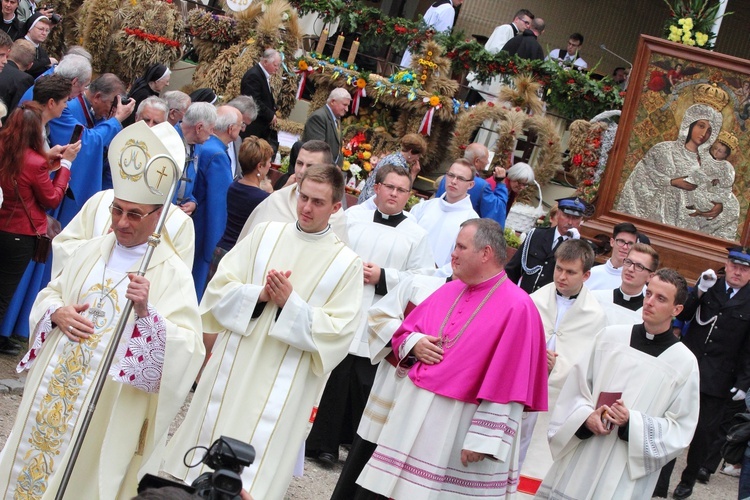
(654, 109)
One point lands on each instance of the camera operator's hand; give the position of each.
(47, 11)
(124, 110)
(244, 495)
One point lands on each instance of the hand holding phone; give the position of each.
(77, 132)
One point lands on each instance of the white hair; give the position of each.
(226, 118)
(337, 94)
(246, 105)
(521, 172)
(155, 103)
(177, 100)
(74, 66)
(200, 112)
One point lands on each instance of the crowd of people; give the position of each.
(304, 320)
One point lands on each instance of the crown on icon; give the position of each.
(728, 139)
(711, 95)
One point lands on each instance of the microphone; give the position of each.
(603, 47)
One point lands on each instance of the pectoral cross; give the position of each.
(162, 173)
(97, 313)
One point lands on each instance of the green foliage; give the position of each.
(511, 238)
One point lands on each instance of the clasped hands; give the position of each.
(75, 326)
(278, 288)
(616, 414)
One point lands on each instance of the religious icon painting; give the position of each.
(680, 166)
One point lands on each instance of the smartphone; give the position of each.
(77, 131)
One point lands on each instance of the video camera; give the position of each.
(227, 457)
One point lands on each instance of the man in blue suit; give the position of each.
(211, 184)
(102, 121)
(196, 127)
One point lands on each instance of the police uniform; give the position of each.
(533, 265)
(719, 336)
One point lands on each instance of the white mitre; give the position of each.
(139, 177)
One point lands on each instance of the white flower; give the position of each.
(355, 169)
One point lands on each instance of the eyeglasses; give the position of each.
(451, 176)
(132, 216)
(391, 187)
(622, 243)
(638, 267)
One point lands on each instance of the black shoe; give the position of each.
(327, 459)
(703, 476)
(8, 348)
(683, 490)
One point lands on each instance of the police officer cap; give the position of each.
(739, 255)
(572, 206)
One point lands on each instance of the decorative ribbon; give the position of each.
(358, 94)
(302, 81)
(426, 126)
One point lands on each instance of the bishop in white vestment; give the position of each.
(74, 319)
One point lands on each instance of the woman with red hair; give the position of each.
(28, 190)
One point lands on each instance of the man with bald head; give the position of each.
(487, 201)
(212, 181)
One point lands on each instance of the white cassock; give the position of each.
(399, 251)
(661, 394)
(604, 277)
(500, 36)
(265, 373)
(569, 336)
(617, 314)
(157, 361)
(281, 206)
(94, 219)
(440, 18)
(383, 320)
(442, 221)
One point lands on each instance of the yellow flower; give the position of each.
(346, 166)
(674, 30)
(302, 64)
(366, 155)
(434, 101)
(701, 38)
(429, 53)
(687, 38)
(686, 23)
(367, 166)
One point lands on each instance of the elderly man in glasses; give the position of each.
(442, 217)
(607, 276)
(391, 247)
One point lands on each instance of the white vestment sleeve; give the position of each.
(652, 442)
(234, 310)
(294, 326)
(493, 429)
(406, 347)
(385, 317)
(578, 404)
